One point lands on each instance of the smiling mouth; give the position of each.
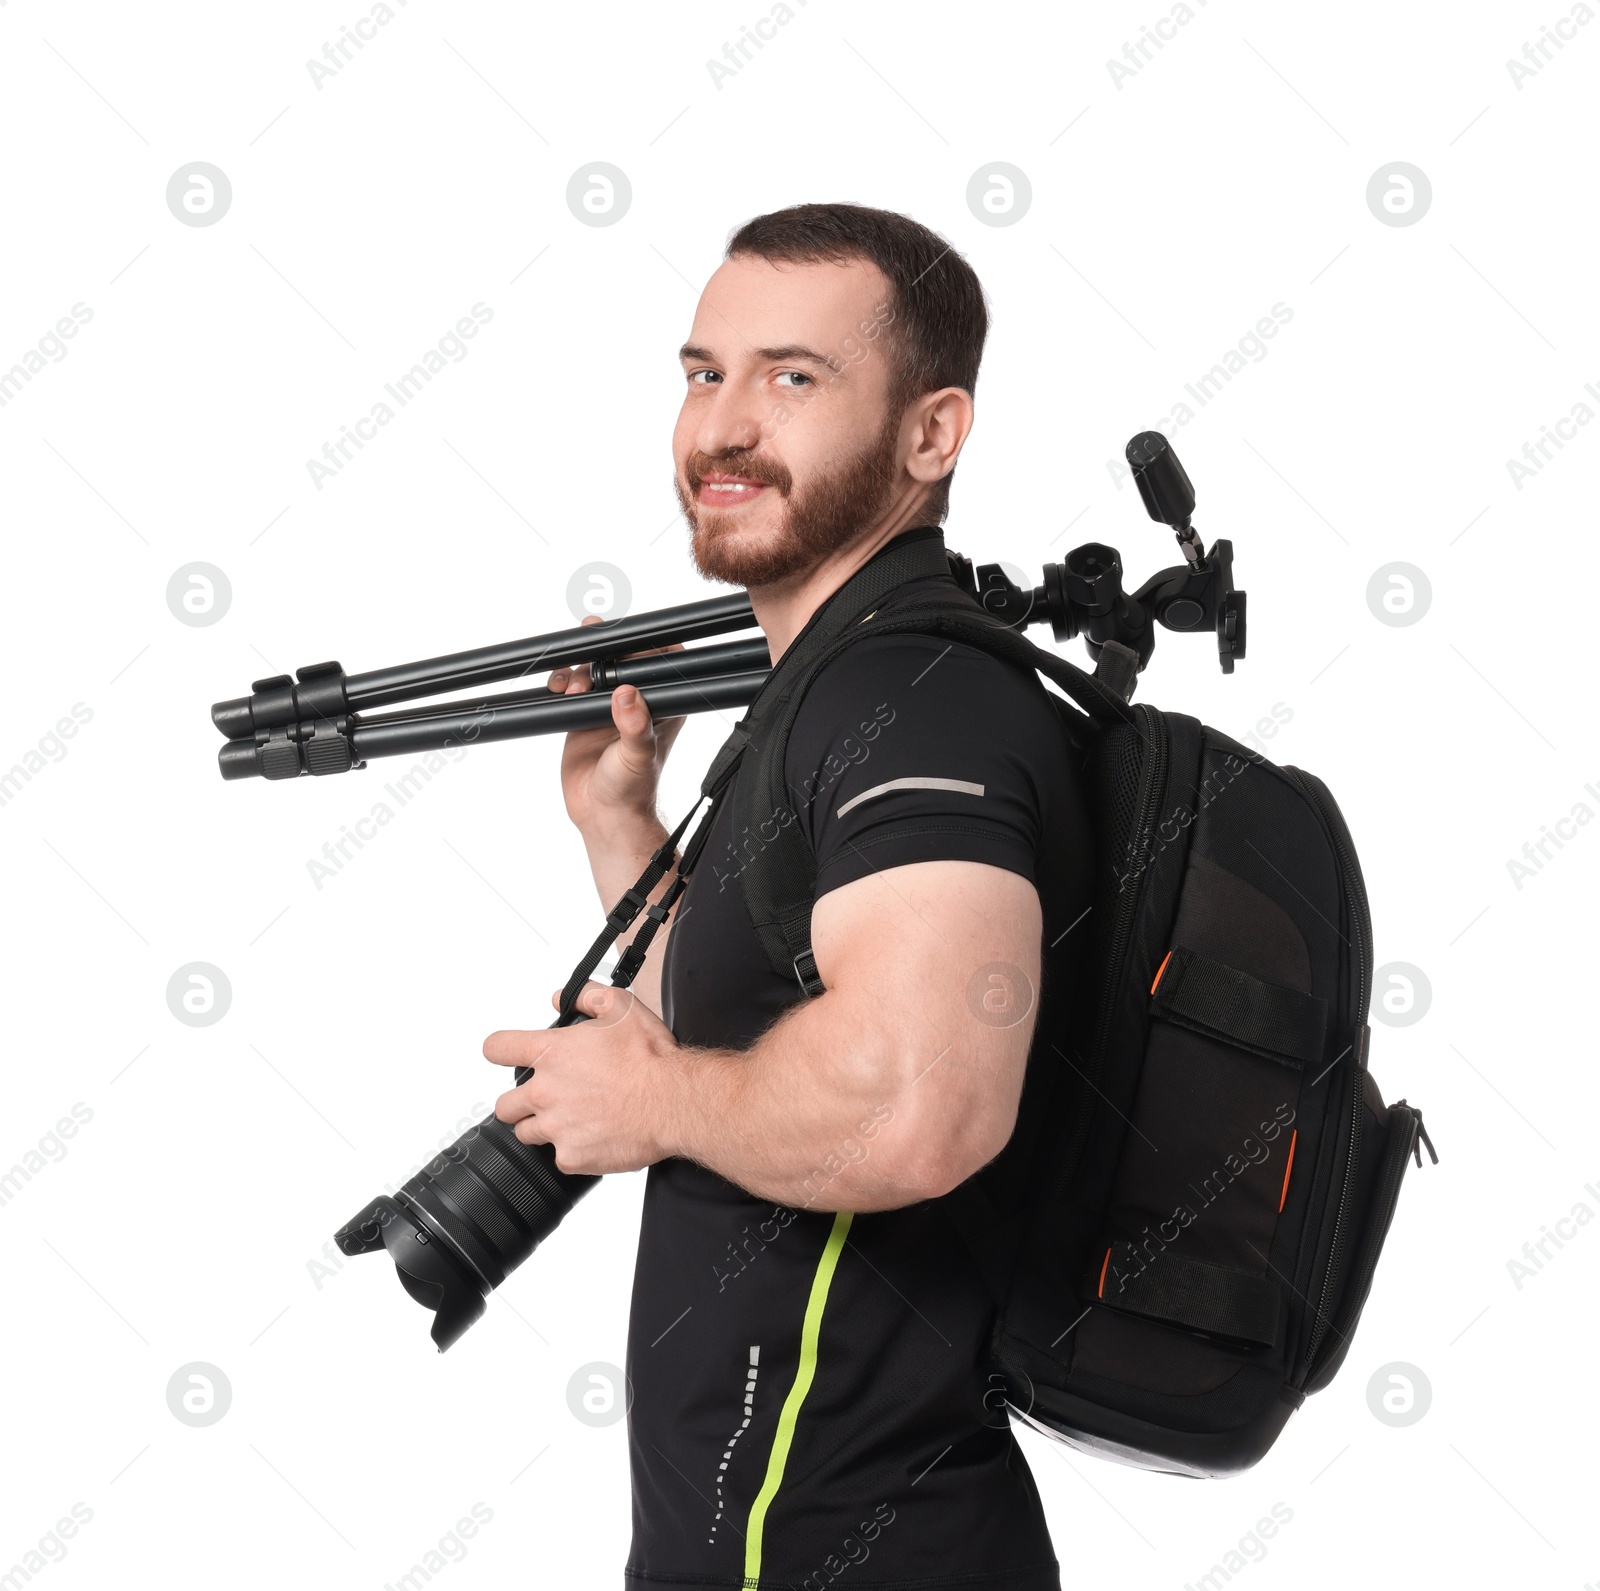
(727, 491)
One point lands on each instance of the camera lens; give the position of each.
(466, 1220)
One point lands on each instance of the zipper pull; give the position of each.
(1423, 1138)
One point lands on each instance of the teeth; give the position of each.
(727, 486)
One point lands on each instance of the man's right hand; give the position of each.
(609, 776)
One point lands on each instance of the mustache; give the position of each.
(753, 466)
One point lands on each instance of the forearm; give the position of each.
(837, 1107)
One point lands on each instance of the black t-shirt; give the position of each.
(809, 1389)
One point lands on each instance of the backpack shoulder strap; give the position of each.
(778, 874)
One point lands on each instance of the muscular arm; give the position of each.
(891, 1087)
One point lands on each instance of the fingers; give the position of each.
(599, 1001)
(528, 1131)
(511, 1047)
(572, 681)
(514, 1106)
(517, 1109)
(635, 726)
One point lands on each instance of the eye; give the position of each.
(798, 376)
(710, 377)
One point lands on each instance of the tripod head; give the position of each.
(319, 722)
(1083, 594)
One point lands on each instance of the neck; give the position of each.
(783, 608)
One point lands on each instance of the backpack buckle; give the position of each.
(805, 969)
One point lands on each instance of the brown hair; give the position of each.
(938, 320)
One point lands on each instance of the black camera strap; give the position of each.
(916, 554)
(665, 857)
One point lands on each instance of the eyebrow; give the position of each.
(796, 351)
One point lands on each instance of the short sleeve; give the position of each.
(912, 749)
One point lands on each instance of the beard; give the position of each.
(821, 516)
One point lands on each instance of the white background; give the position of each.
(1169, 213)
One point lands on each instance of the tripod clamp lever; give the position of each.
(287, 727)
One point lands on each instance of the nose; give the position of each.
(731, 422)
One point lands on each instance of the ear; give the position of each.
(934, 430)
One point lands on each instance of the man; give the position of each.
(808, 1330)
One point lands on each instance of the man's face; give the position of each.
(786, 449)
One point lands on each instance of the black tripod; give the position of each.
(321, 722)
(458, 1227)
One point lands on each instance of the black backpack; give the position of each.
(1185, 1230)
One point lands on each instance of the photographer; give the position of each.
(808, 1332)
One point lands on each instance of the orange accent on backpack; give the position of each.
(1282, 1197)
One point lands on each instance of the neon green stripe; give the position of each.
(804, 1375)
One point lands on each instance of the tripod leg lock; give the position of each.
(291, 750)
(286, 727)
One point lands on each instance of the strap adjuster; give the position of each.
(626, 909)
(805, 969)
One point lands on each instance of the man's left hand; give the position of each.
(598, 1087)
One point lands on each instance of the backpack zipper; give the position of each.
(1152, 731)
(1354, 888)
(1350, 877)
(1319, 1324)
